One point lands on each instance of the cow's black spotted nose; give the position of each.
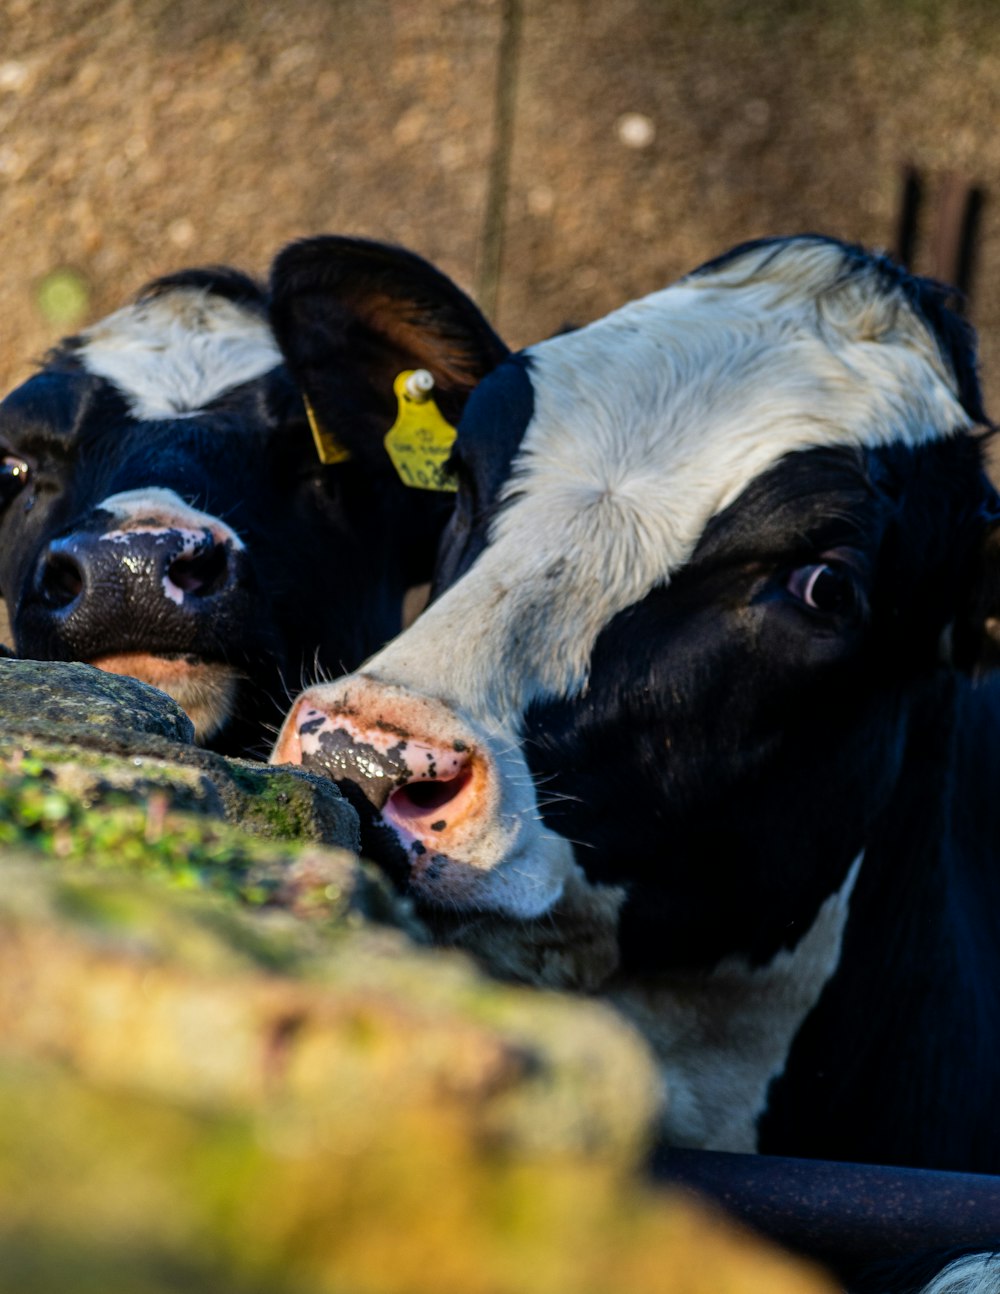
(155, 589)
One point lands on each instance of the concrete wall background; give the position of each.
(642, 136)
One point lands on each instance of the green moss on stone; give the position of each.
(281, 804)
(96, 735)
(143, 836)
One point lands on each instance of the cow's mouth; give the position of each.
(205, 690)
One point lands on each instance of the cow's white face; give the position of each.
(642, 429)
(173, 354)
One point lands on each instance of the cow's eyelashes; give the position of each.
(15, 473)
(828, 587)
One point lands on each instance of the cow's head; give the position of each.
(703, 565)
(165, 510)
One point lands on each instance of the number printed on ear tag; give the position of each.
(419, 441)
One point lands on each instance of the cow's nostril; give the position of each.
(417, 799)
(60, 580)
(200, 575)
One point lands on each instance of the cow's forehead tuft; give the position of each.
(174, 353)
(695, 390)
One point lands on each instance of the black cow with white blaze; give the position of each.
(164, 510)
(699, 720)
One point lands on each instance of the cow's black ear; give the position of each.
(975, 642)
(350, 315)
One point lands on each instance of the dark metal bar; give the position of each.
(845, 1215)
(969, 243)
(907, 225)
(491, 248)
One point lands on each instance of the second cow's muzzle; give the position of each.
(168, 590)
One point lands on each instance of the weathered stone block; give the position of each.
(230, 1060)
(101, 738)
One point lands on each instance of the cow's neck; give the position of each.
(787, 1033)
(721, 1036)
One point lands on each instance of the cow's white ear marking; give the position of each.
(173, 354)
(420, 440)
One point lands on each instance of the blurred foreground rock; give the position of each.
(93, 734)
(228, 1063)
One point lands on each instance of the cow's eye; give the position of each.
(14, 473)
(827, 587)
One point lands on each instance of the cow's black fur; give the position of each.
(824, 739)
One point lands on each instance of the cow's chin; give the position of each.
(456, 888)
(205, 691)
(572, 945)
(517, 887)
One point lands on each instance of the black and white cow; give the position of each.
(695, 720)
(164, 512)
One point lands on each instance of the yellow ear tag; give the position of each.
(328, 447)
(419, 441)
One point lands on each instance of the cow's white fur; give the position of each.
(973, 1274)
(724, 1036)
(153, 509)
(173, 354)
(646, 424)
